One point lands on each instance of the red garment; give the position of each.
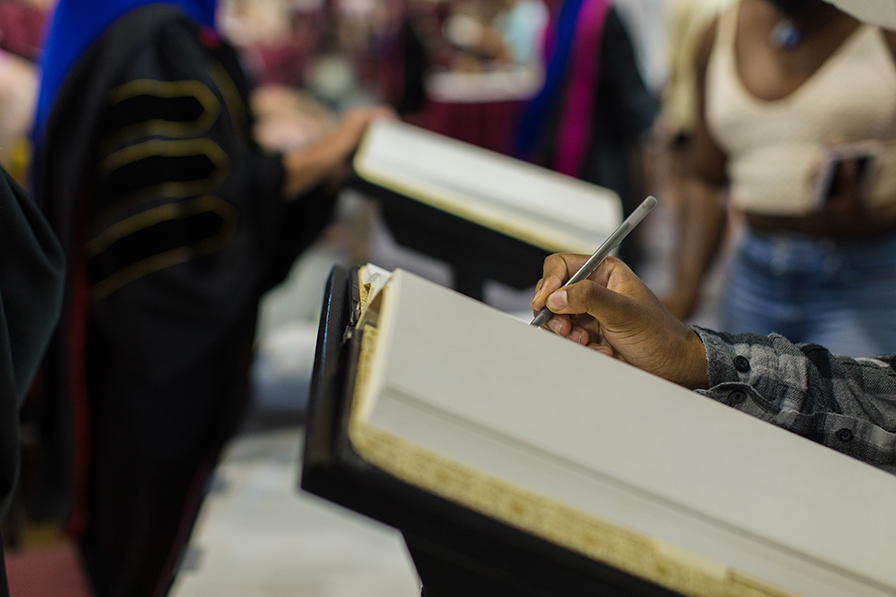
(487, 124)
(22, 28)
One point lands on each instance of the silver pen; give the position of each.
(602, 251)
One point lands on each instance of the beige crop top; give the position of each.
(775, 148)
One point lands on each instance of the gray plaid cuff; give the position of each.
(742, 372)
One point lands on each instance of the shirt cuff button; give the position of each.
(741, 363)
(845, 435)
(736, 397)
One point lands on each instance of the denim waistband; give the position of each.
(795, 248)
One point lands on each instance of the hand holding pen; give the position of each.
(613, 312)
(608, 246)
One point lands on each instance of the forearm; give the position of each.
(327, 160)
(321, 162)
(846, 404)
(704, 215)
(701, 229)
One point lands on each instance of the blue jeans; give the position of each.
(841, 295)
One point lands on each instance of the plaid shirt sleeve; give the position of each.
(844, 403)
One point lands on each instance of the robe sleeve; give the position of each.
(187, 225)
(31, 282)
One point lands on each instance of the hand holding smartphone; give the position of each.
(863, 154)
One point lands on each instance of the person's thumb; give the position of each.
(587, 296)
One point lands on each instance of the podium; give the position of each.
(457, 552)
(445, 418)
(489, 216)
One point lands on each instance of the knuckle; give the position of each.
(587, 289)
(581, 294)
(553, 263)
(616, 263)
(613, 260)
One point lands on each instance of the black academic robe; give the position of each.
(31, 274)
(174, 224)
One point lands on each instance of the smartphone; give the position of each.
(827, 183)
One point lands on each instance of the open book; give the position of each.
(465, 402)
(531, 204)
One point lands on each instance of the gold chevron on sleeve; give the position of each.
(158, 238)
(147, 107)
(171, 168)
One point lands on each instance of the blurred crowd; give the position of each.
(764, 127)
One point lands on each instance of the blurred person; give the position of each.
(594, 110)
(18, 96)
(22, 25)
(687, 21)
(779, 82)
(31, 281)
(475, 45)
(174, 223)
(522, 24)
(255, 21)
(287, 118)
(486, 35)
(275, 39)
(404, 37)
(647, 24)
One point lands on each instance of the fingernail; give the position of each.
(576, 336)
(557, 301)
(555, 326)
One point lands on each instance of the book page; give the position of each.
(371, 280)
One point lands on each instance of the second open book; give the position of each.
(542, 434)
(540, 207)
